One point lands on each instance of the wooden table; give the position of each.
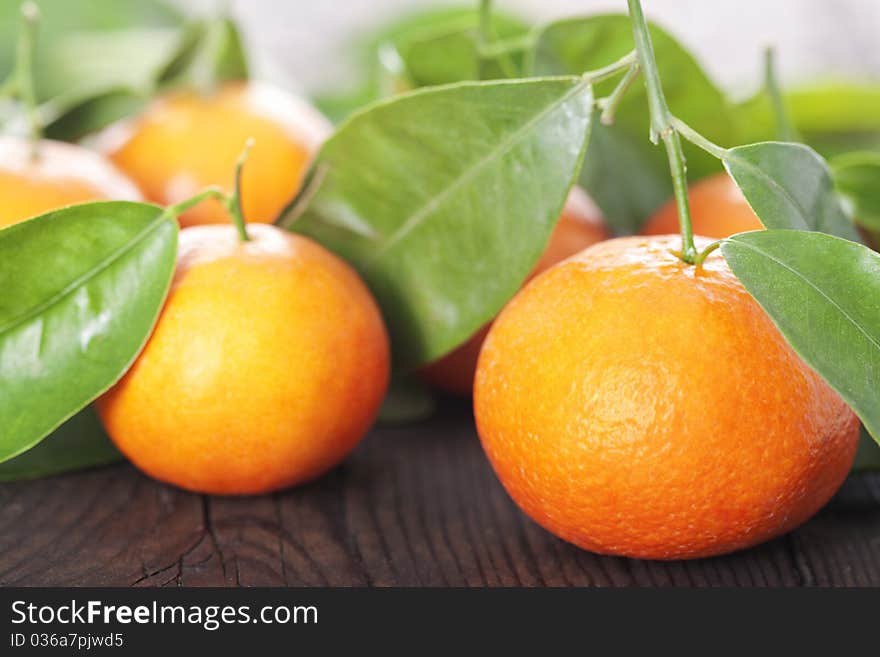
(414, 505)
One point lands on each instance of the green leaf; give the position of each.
(82, 287)
(209, 52)
(408, 400)
(823, 293)
(616, 156)
(789, 186)
(444, 199)
(97, 78)
(77, 444)
(71, 119)
(89, 63)
(425, 48)
(66, 29)
(98, 71)
(104, 85)
(454, 56)
(857, 177)
(629, 177)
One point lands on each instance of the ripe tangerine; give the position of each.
(35, 179)
(187, 141)
(267, 366)
(637, 406)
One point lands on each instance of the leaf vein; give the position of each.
(831, 301)
(419, 216)
(775, 184)
(74, 285)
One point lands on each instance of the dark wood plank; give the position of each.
(106, 527)
(841, 545)
(414, 505)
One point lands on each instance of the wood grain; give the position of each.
(414, 506)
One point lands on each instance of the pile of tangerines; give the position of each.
(270, 359)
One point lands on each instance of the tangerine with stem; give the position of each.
(38, 175)
(636, 405)
(188, 140)
(266, 367)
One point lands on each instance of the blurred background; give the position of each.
(814, 38)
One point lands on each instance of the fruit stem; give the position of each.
(701, 257)
(485, 23)
(21, 84)
(785, 131)
(662, 126)
(233, 202)
(611, 69)
(485, 42)
(213, 192)
(609, 104)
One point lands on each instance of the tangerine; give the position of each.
(267, 366)
(37, 178)
(638, 406)
(186, 141)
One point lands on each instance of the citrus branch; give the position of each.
(612, 69)
(697, 139)
(212, 192)
(609, 104)
(662, 126)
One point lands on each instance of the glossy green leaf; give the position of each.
(857, 177)
(628, 177)
(789, 186)
(445, 198)
(77, 444)
(82, 287)
(823, 293)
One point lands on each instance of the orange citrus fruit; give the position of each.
(718, 209)
(638, 406)
(580, 225)
(35, 179)
(267, 366)
(186, 141)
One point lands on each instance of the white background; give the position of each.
(814, 38)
